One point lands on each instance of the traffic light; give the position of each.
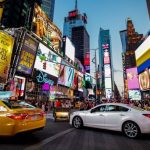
(44, 65)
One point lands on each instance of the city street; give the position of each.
(60, 135)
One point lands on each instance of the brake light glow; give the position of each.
(147, 115)
(17, 116)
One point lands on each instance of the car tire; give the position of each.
(77, 122)
(131, 129)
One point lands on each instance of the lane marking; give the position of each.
(47, 140)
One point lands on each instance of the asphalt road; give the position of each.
(61, 136)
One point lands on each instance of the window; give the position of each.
(116, 108)
(98, 109)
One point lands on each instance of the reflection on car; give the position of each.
(132, 121)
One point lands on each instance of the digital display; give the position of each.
(107, 70)
(73, 13)
(134, 95)
(132, 78)
(108, 83)
(47, 61)
(106, 57)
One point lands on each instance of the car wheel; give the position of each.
(77, 122)
(131, 129)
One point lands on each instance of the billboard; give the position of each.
(132, 78)
(69, 49)
(107, 70)
(134, 95)
(27, 56)
(87, 61)
(108, 93)
(106, 57)
(47, 61)
(6, 48)
(144, 80)
(46, 29)
(66, 76)
(108, 83)
(142, 52)
(80, 80)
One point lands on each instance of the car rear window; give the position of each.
(17, 104)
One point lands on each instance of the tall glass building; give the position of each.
(105, 63)
(74, 19)
(48, 8)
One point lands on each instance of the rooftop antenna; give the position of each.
(76, 5)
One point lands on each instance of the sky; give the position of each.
(108, 14)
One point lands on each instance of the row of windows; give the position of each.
(110, 108)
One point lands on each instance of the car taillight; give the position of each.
(147, 115)
(42, 113)
(17, 116)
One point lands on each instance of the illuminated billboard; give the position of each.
(108, 84)
(80, 80)
(144, 80)
(87, 61)
(27, 56)
(143, 52)
(45, 29)
(6, 48)
(69, 49)
(66, 76)
(108, 93)
(107, 71)
(106, 57)
(132, 78)
(47, 61)
(134, 95)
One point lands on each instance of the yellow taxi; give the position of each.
(19, 116)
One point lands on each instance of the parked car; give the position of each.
(19, 116)
(132, 121)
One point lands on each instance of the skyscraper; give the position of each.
(81, 40)
(75, 29)
(74, 19)
(148, 7)
(105, 63)
(48, 8)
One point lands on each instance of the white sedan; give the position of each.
(132, 121)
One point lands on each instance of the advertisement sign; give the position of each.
(80, 80)
(44, 28)
(28, 54)
(75, 81)
(87, 61)
(108, 83)
(134, 95)
(66, 76)
(47, 61)
(17, 86)
(106, 57)
(108, 93)
(69, 49)
(107, 71)
(132, 78)
(144, 80)
(6, 47)
(143, 51)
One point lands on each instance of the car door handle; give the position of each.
(122, 115)
(101, 115)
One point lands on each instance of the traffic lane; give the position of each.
(96, 139)
(23, 140)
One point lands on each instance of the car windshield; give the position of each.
(17, 104)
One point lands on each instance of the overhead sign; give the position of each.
(28, 54)
(6, 47)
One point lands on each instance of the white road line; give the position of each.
(47, 140)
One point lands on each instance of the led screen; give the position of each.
(108, 83)
(134, 95)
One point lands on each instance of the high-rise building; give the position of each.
(105, 63)
(81, 40)
(148, 7)
(48, 8)
(75, 29)
(74, 19)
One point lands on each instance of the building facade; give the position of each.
(105, 63)
(148, 7)
(48, 8)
